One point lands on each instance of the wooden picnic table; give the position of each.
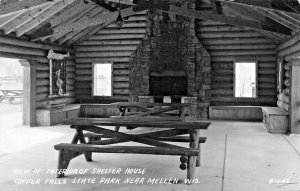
(10, 95)
(165, 131)
(172, 111)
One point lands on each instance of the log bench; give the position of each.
(165, 131)
(275, 119)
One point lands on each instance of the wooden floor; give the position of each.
(238, 156)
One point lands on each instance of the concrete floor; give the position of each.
(238, 156)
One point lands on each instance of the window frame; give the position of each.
(256, 77)
(93, 78)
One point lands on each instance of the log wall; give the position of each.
(286, 52)
(109, 45)
(227, 44)
(12, 47)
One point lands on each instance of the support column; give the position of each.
(29, 92)
(294, 107)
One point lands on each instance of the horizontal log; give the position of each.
(241, 47)
(283, 105)
(220, 28)
(287, 74)
(45, 96)
(64, 100)
(42, 74)
(117, 36)
(110, 42)
(128, 25)
(124, 31)
(42, 82)
(100, 99)
(286, 91)
(292, 56)
(24, 56)
(229, 34)
(284, 98)
(116, 65)
(37, 45)
(295, 38)
(261, 58)
(84, 84)
(121, 91)
(221, 85)
(286, 82)
(267, 92)
(242, 52)
(103, 48)
(42, 89)
(104, 54)
(231, 41)
(221, 92)
(107, 59)
(22, 50)
(231, 99)
(120, 85)
(289, 50)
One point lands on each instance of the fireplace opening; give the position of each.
(168, 83)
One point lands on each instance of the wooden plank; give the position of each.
(44, 15)
(126, 149)
(22, 6)
(76, 33)
(5, 20)
(236, 21)
(86, 10)
(88, 22)
(25, 17)
(128, 122)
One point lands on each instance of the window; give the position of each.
(245, 79)
(102, 83)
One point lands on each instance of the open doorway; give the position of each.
(11, 90)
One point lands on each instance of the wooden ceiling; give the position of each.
(71, 21)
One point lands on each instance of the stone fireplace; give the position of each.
(171, 61)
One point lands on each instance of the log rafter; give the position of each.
(43, 16)
(21, 6)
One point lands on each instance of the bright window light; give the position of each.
(102, 82)
(245, 79)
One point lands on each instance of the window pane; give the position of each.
(245, 79)
(102, 79)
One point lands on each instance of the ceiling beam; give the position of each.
(243, 5)
(276, 17)
(124, 2)
(43, 16)
(236, 21)
(21, 6)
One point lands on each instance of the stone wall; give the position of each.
(172, 44)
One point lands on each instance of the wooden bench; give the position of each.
(166, 131)
(54, 116)
(275, 119)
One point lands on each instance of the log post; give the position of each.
(29, 92)
(294, 107)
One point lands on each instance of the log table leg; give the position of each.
(80, 137)
(192, 160)
(63, 162)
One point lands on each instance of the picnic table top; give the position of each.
(142, 104)
(142, 122)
